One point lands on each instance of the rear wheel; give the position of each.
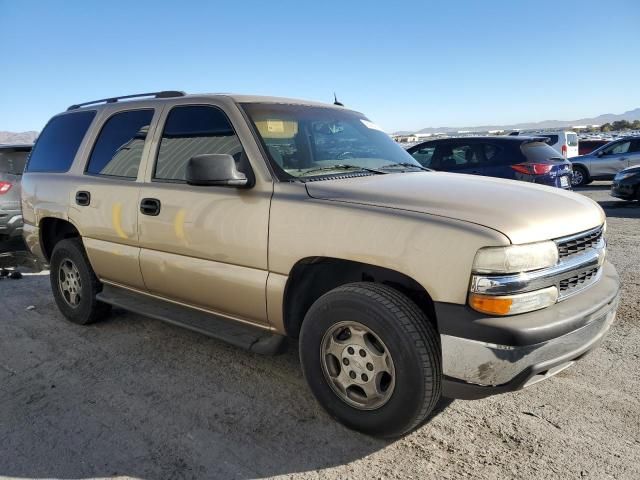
(580, 176)
(74, 284)
(371, 358)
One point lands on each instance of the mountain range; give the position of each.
(18, 137)
(599, 120)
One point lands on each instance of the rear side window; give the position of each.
(118, 149)
(538, 151)
(572, 139)
(193, 130)
(58, 143)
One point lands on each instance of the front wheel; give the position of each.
(580, 177)
(371, 358)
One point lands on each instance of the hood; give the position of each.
(634, 169)
(522, 211)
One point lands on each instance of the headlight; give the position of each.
(516, 258)
(623, 175)
(512, 304)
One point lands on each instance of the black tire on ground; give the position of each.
(580, 176)
(411, 340)
(89, 309)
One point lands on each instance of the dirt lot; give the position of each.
(136, 397)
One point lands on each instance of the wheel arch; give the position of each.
(312, 277)
(52, 230)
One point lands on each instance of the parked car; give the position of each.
(626, 184)
(528, 159)
(587, 146)
(12, 162)
(605, 162)
(563, 141)
(253, 219)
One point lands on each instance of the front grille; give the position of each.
(572, 284)
(579, 243)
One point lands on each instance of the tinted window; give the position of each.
(617, 148)
(572, 139)
(190, 131)
(58, 143)
(538, 151)
(424, 155)
(13, 161)
(118, 149)
(490, 151)
(455, 156)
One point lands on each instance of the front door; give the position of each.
(611, 160)
(205, 247)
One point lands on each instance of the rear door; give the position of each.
(634, 153)
(104, 200)
(611, 159)
(204, 246)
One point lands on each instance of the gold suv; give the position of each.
(257, 219)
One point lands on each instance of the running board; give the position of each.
(245, 336)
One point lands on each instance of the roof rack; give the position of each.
(163, 94)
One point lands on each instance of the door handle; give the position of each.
(622, 159)
(83, 198)
(150, 206)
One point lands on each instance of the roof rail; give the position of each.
(163, 94)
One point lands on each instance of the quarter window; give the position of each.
(59, 142)
(424, 155)
(194, 130)
(118, 149)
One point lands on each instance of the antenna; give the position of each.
(335, 100)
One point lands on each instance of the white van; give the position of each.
(564, 141)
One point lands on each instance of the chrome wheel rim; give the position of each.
(577, 178)
(70, 283)
(357, 365)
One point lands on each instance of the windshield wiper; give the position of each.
(344, 166)
(406, 165)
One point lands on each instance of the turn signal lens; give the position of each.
(513, 304)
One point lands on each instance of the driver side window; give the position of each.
(618, 148)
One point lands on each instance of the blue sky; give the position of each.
(407, 65)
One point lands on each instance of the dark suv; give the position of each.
(520, 158)
(12, 161)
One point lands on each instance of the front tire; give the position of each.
(74, 283)
(371, 358)
(580, 177)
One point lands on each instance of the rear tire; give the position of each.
(74, 283)
(388, 377)
(580, 176)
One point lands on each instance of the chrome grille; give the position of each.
(578, 243)
(576, 282)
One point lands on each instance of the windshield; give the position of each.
(307, 141)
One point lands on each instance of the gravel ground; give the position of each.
(137, 397)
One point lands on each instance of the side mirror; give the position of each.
(600, 153)
(215, 169)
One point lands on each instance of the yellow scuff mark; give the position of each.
(178, 225)
(116, 220)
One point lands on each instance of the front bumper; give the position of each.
(624, 190)
(485, 356)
